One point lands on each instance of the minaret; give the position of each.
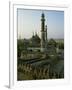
(46, 32)
(46, 36)
(42, 33)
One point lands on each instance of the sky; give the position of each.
(29, 22)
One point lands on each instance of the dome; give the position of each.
(35, 39)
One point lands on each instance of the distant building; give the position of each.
(35, 40)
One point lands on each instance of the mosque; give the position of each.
(40, 43)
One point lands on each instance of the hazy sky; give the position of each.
(29, 21)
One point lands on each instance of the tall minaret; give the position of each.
(43, 38)
(46, 37)
(46, 32)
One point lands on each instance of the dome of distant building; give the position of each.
(35, 40)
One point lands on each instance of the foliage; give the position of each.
(21, 45)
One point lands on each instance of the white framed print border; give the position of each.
(13, 45)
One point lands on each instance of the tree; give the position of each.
(20, 47)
